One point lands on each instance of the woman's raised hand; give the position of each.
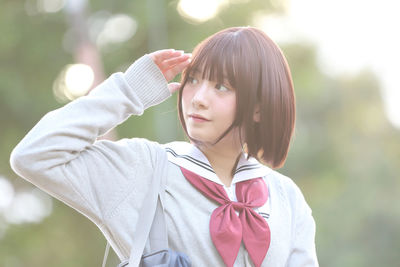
(171, 62)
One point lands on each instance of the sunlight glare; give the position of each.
(199, 11)
(29, 207)
(117, 29)
(74, 81)
(391, 96)
(50, 6)
(78, 79)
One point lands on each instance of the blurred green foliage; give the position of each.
(344, 156)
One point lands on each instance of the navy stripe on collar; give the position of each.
(188, 156)
(191, 159)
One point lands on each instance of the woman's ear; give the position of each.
(256, 114)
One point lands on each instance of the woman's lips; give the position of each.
(198, 118)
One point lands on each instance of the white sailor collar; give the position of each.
(191, 158)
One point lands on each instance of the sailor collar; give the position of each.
(191, 158)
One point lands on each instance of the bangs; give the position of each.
(214, 61)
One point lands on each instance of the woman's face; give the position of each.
(208, 109)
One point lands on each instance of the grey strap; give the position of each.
(151, 223)
(148, 211)
(106, 254)
(144, 224)
(158, 237)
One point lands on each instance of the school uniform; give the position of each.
(107, 181)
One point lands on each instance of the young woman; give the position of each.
(223, 205)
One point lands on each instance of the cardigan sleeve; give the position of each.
(61, 156)
(303, 252)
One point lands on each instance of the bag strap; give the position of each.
(141, 234)
(148, 211)
(144, 224)
(152, 206)
(106, 254)
(146, 215)
(158, 236)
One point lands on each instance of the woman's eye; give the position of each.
(193, 80)
(221, 87)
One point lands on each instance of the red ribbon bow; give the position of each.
(226, 228)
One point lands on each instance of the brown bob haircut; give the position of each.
(257, 69)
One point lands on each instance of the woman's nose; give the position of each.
(200, 97)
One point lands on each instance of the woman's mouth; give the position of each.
(197, 118)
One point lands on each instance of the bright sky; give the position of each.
(350, 35)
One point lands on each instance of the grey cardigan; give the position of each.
(108, 181)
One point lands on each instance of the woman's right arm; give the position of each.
(61, 156)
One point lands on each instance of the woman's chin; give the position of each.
(197, 138)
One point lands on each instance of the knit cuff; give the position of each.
(148, 81)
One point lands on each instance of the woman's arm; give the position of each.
(61, 156)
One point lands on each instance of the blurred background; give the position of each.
(345, 155)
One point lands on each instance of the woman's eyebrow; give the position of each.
(196, 71)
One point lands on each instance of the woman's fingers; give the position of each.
(165, 54)
(172, 72)
(160, 55)
(170, 61)
(173, 87)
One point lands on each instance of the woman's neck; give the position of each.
(223, 159)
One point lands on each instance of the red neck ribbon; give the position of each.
(227, 229)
